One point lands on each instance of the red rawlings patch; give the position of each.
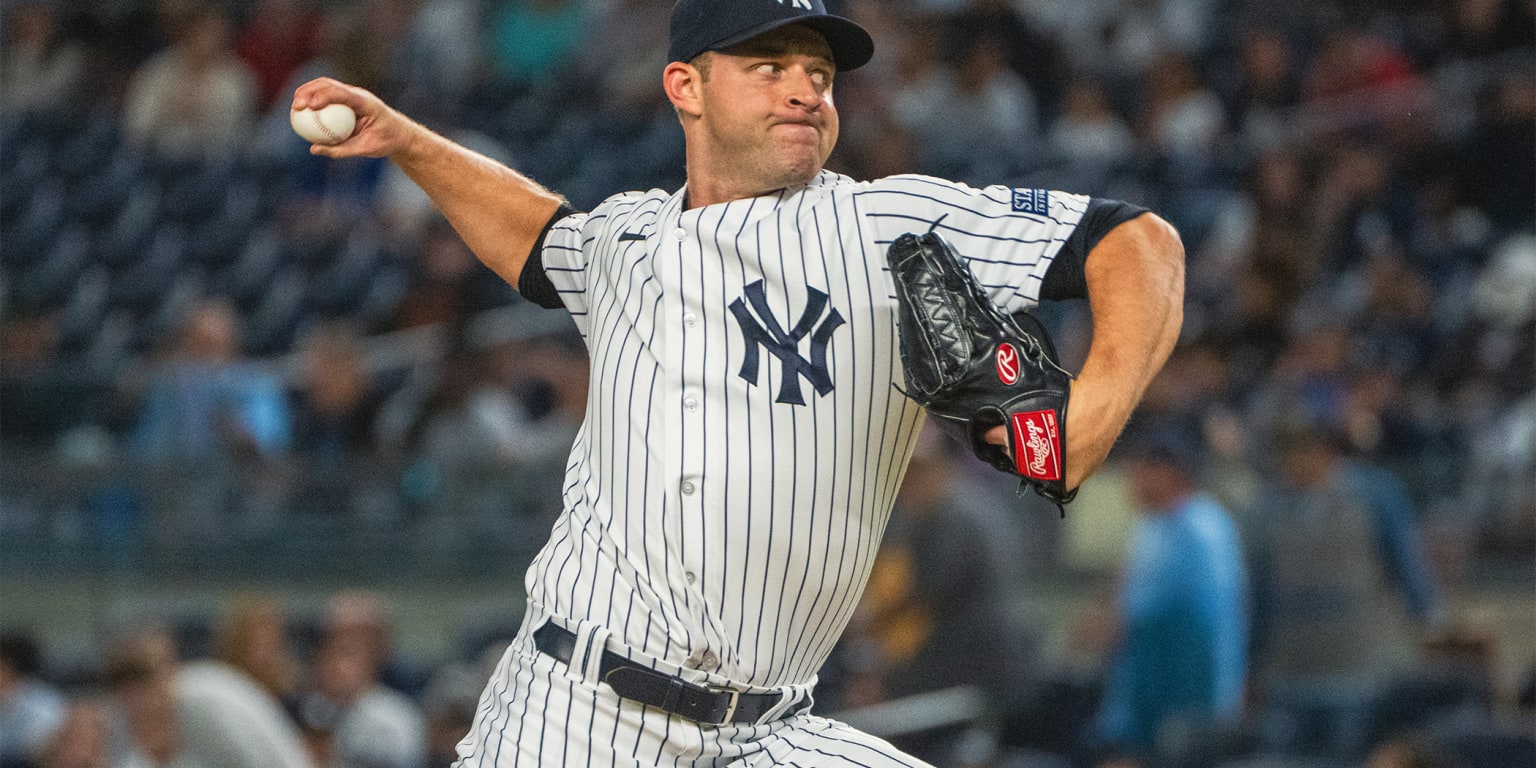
(1037, 445)
(1007, 363)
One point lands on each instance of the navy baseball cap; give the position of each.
(712, 25)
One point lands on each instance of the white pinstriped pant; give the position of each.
(535, 712)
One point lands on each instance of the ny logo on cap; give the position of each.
(786, 346)
(806, 4)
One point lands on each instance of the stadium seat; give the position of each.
(275, 320)
(140, 285)
(20, 173)
(341, 287)
(27, 241)
(245, 280)
(217, 240)
(85, 152)
(196, 195)
(48, 282)
(129, 233)
(84, 310)
(95, 200)
(382, 298)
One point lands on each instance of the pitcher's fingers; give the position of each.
(998, 436)
(324, 90)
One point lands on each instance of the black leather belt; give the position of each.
(716, 706)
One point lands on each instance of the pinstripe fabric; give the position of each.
(537, 712)
(712, 524)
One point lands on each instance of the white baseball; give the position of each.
(330, 124)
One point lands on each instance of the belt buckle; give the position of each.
(730, 711)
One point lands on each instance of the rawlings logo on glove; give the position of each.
(974, 368)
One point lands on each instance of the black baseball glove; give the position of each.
(973, 368)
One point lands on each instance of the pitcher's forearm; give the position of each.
(1136, 294)
(498, 211)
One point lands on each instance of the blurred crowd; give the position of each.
(186, 293)
(257, 686)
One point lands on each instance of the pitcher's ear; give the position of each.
(681, 82)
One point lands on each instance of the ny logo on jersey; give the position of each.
(770, 335)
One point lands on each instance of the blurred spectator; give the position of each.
(545, 373)
(1500, 430)
(1269, 89)
(40, 399)
(335, 406)
(335, 402)
(1498, 160)
(1000, 111)
(622, 73)
(1033, 55)
(198, 714)
(352, 720)
(1409, 752)
(439, 57)
(449, 702)
(84, 740)
(1089, 132)
(1475, 29)
(1356, 62)
(532, 41)
(1181, 120)
(368, 618)
(39, 67)
(936, 612)
(252, 638)
(920, 78)
(1179, 633)
(1359, 210)
(1258, 259)
(449, 285)
(1338, 555)
(469, 420)
(1136, 32)
(205, 401)
(195, 97)
(887, 149)
(279, 36)
(31, 710)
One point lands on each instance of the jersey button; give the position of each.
(690, 319)
(691, 405)
(680, 234)
(709, 660)
(691, 578)
(687, 488)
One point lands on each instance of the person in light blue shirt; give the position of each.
(1182, 614)
(205, 400)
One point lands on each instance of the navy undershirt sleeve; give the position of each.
(1067, 277)
(534, 283)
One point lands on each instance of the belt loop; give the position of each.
(675, 688)
(593, 668)
(586, 656)
(789, 696)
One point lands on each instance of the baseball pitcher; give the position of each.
(751, 339)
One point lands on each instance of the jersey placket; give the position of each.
(685, 338)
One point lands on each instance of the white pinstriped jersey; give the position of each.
(744, 437)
